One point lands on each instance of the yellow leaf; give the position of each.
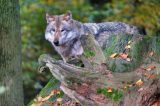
(109, 89)
(139, 82)
(128, 47)
(128, 59)
(46, 98)
(58, 92)
(114, 55)
(59, 100)
(39, 98)
(37, 104)
(129, 42)
(125, 87)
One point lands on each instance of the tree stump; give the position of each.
(96, 85)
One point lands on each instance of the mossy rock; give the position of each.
(117, 44)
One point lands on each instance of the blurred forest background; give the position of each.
(142, 13)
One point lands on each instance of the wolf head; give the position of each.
(60, 29)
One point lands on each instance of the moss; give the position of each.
(115, 95)
(89, 53)
(117, 44)
(155, 47)
(51, 85)
(111, 45)
(137, 52)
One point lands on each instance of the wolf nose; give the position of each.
(56, 43)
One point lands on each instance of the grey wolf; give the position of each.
(64, 33)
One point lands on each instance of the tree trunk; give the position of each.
(11, 89)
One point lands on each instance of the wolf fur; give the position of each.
(64, 33)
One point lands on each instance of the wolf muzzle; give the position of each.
(56, 43)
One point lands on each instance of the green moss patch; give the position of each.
(89, 53)
(117, 44)
(115, 95)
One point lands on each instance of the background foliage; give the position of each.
(142, 13)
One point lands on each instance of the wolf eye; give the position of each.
(52, 30)
(62, 30)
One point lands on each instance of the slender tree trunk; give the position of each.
(11, 89)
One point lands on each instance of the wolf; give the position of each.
(64, 33)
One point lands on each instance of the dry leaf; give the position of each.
(157, 103)
(151, 76)
(114, 55)
(37, 104)
(46, 98)
(141, 89)
(129, 42)
(59, 100)
(150, 68)
(151, 54)
(109, 89)
(130, 85)
(59, 92)
(39, 98)
(128, 47)
(128, 59)
(123, 55)
(125, 87)
(139, 82)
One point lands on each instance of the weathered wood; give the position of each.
(95, 75)
(93, 55)
(65, 73)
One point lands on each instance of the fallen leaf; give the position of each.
(129, 42)
(39, 98)
(128, 47)
(109, 89)
(114, 55)
(125, 87)
(141, 89)
(139, 82)
(151, 54)
(59, 100)
(123, 55)
(130, 85)
(128, 59)
(151, 76)
(150, 68)
(157, 103)
(58, 92)
(46, 98)
(37, 104)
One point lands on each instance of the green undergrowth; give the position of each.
(115, 95)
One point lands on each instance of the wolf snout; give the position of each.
(56, 43)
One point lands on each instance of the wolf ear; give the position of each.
(67, 16)
(49, 18)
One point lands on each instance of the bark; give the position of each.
(72, 78)
(81, 84)
(11, 93)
